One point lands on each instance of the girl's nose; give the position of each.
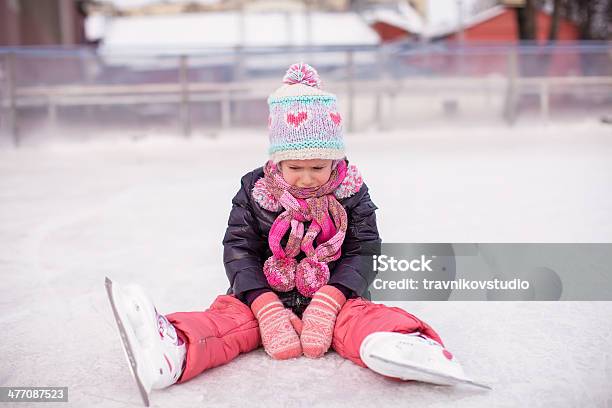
(307, 181)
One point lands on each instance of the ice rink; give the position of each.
(154, 212)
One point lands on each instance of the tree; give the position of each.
(554, 23)
(526, 21)
(594, 17)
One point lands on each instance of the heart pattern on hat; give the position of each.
(335, 117)
(296, 119)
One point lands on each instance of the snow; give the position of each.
(154, 212)
(404, 17)
(126, 40)
(443, 15)
(224, 29)
(95, 25)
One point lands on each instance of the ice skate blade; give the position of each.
(422, 370)
(127, 348)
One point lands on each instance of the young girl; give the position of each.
(292, 248)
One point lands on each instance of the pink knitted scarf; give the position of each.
(328, 223)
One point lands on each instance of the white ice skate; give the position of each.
(155, 353)
(413, 357)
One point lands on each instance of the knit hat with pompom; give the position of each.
(304, 122)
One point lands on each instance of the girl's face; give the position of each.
(306, 173)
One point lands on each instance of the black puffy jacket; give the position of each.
(246, 245)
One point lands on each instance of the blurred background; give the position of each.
(200, 67)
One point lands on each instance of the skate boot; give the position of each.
(155, 353)
(412, 357)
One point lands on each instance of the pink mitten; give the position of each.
(319, 319)
(278, 327)
(296, 322)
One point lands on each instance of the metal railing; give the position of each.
(376, 85)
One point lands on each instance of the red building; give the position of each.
(389, 32)
(499, 24)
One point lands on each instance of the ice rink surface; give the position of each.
(154, 212)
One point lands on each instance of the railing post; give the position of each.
(226, 112)
(379, 93)
(512, 90)
(185, 106)
(52, 112)
(237, 106)
(544, 101)
(381, 88)
(9, 63)
(350, 73)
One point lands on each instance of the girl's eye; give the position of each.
(318, 168)
(294, 168)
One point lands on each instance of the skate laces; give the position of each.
(425, 338)
(167, 331)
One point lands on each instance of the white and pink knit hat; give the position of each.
(304, 122)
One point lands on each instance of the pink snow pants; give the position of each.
(228, 328)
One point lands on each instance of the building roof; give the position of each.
(478, 18)
(404, 17)
(172, 34)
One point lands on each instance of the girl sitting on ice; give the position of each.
(292, 248)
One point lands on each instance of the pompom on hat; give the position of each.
(304, 122)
